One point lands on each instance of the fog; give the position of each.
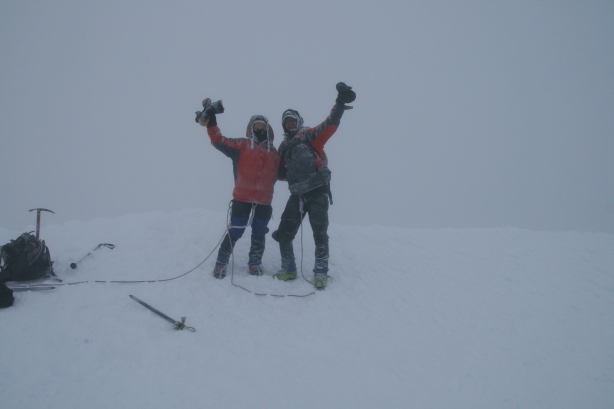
(468, 114)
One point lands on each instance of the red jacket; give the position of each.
(255, 164)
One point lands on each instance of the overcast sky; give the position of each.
(468, 114)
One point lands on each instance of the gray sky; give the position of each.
(469, 114)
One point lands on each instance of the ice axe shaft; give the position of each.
(177, 325)
(107, 245)
(38, 219)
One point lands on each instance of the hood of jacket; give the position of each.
(249, 132)
(291, 113)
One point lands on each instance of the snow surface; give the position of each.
(470, 318)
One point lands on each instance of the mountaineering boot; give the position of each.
(285, 275)
(256, 270)
(320, 281)
(220, 271)
(256, 248)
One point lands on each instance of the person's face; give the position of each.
(290, 124)
(259, 127)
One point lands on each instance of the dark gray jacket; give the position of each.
(304, 163)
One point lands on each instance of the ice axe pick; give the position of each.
(38, 219)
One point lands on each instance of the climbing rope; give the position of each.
(232, 267)
(226, 231)
(46, 285)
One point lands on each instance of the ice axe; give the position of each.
(107, 245)
(177, 325)
(38, 219)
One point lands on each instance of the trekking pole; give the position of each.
(38, 219)
(107, 245)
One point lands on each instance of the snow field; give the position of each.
(469, 318)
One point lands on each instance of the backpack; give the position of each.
(25, 258)
(322, 174)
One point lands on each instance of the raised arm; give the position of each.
(319, 135)
(228, 146)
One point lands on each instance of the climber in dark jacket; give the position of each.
(304, 165)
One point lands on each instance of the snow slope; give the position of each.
(472, 318)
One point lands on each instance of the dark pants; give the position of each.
(239, 216)
(315, 204)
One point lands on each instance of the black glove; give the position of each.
(212, 120)
(208, 116)
(345, 95)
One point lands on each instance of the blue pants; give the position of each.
(239, 216)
